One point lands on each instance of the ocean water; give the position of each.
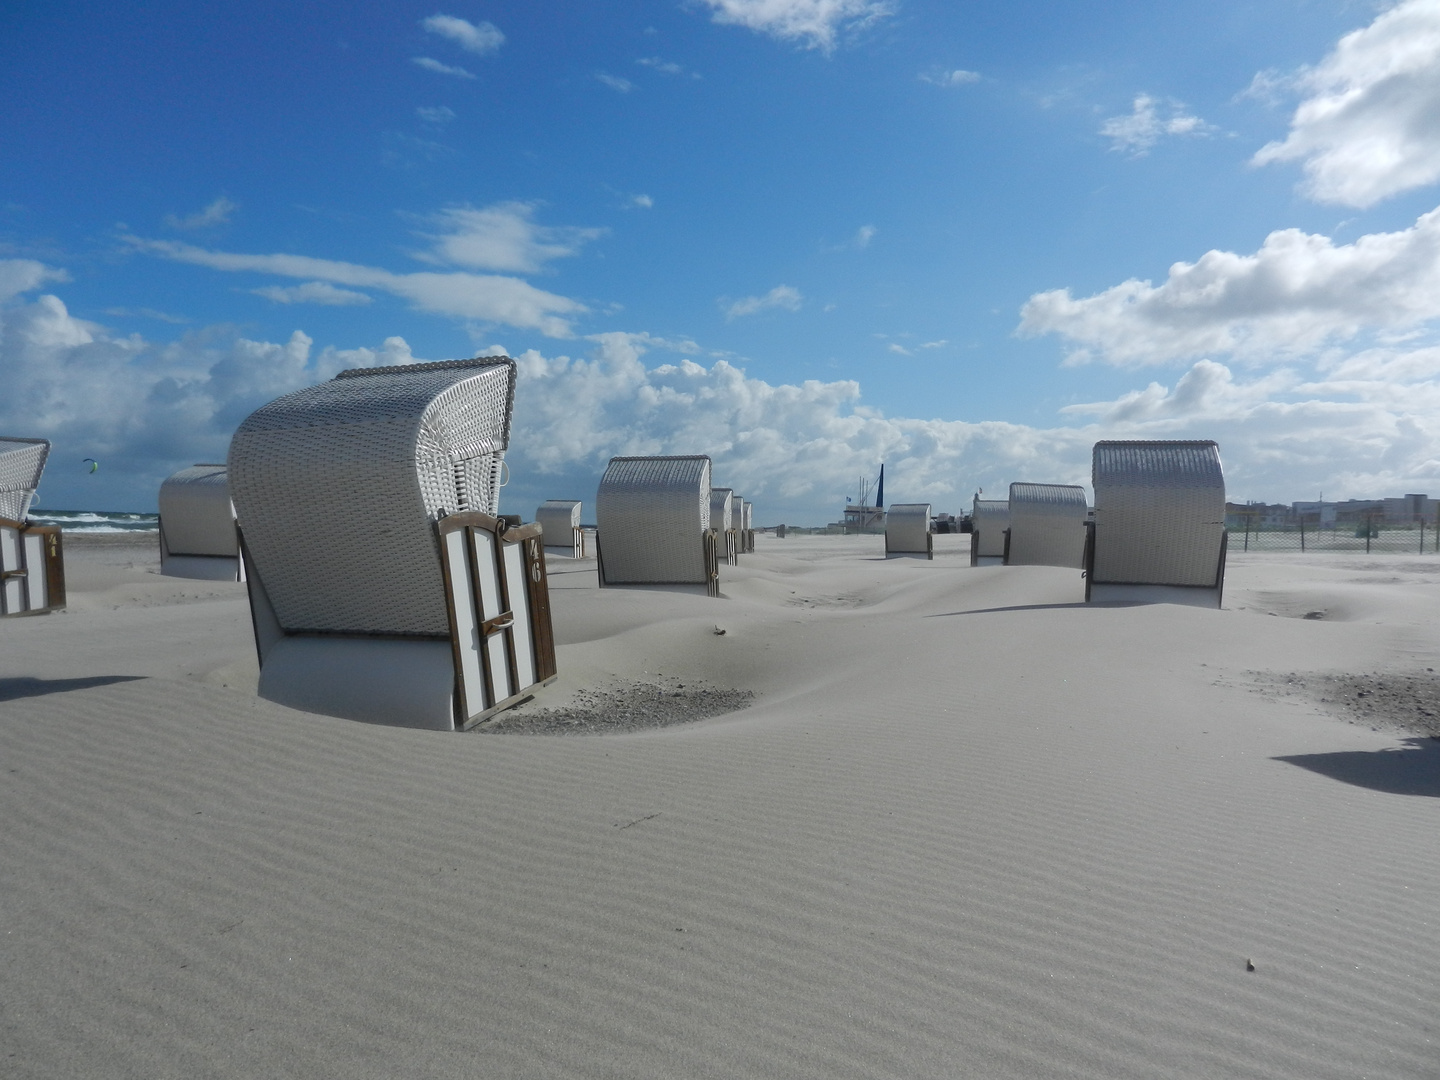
(96, 521)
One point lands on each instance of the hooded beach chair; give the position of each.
(1047, 525)
(907, 531)
(197, 526)
(653, 516)
(722, 522)
(1159, 528)
(560, 521)
(384, 585)
(747, 526)
(989, 518)
(32, 565)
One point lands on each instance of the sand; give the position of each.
(965, 826)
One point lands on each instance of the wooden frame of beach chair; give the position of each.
(722, 523)
(32, 568)
(560, 518)
(1046, 525)
(653, 520)
(907, 531)
(1159, 529)
(198, 537)
(989, 521)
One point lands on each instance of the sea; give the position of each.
(96, 521)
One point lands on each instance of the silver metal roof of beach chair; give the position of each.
(1047, 525)
(196, 514)
(559, 516)
(722, 509)
(989, 518)
(1159, 514)
(21, 463)
(907, 530)
(653, 514)
(338, 487)
(747, 514)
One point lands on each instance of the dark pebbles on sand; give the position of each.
(629, 707)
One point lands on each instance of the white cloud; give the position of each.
(502, 236)
(312, 292)
(22, 275)
(1144, 127)
(429, 63)
(641, 202)
(664, 67)
(619, 85)
(815, 23)
(934, 344)
(479, 38)
(782, 296)
(485, 297)
(951, 77)
(439, 115)
(898, 348)
(864, 235)
(217, 213)
(1297, 294)
(1369, 128)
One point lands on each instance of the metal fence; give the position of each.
(1370, 535)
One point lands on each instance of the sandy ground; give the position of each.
(965, 826)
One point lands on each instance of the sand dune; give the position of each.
(968, 827)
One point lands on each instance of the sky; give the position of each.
(801, 236)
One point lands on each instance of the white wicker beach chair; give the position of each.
(560, 520)
(722, 522)
(383, 584)
(32, 563)
(747, 526)
(989, 519)
(653, 515)
(21, 463)
(1047, 525)
(907, 531)
(197, 526)
(1159, 529)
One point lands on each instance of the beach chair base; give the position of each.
(1101, 592)
(203, 567)
(32, 568)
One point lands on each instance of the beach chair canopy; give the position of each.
(652, 514)
(1159, 513)
(747, 515)
(21, 463)
(558, 519)
(196, 513)
(338, 487)
(722, 507)
(907, 528)
(1047, 525)
(989, 518)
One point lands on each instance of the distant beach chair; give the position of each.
(989, 518)
(32, 562)
(560, 521)
(747, 526)
(722, 522)
(907, 531)
(1047, 525)
(384, 585)
(197, 526)
(653, 516)
(1159, 528)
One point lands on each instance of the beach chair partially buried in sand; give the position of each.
(559, 519)
(384, 586)
(723, 524)
(1047, 525)
(907, 531)
(747, 526)
(1159, 529)
(198, 538)
(989, 518)
(653, 519)
(32, 561)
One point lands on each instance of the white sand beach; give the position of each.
(966, 826)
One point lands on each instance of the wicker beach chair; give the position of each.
(560, 521)
(723, 524)
(1159, 528)
(907, 531)
(989, 518)
(32, 564)
(747, 526)
(21, 463)
(384, 586)
(1047, 525)
(653, 515)
(197, 526)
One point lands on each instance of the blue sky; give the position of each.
(803, 236)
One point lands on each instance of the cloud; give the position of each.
(934, 344)
(664, 67)
(480, 38)
(864, 235)
(502, 236)
(619, 85)
(431, 64)
(1300, 292)
(312, 292)
(898, 348)
(814, 23)
(641, 202)
(488, 298)
(19, 276)
(1144, 127)
(439, 115)
(1368, 129)
(782, 296)
(952, 77)
(217, 213)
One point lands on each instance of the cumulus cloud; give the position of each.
(1297, 294)
(1368, 128)
(312, 292)
(950, 77)
(1144, 126)
(816, 24)
(217, 213)
(782, 296)
(502, 236)
(619, 85)
(429, 63)
(641, 202)
(22, 275)
(480, 38)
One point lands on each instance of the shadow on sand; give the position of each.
(1020, 607)
(1412, 771)
(15, 689)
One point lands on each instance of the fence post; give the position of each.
(1422, 536)
(1302, 535)
(1247, 532)
(1369, 526)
